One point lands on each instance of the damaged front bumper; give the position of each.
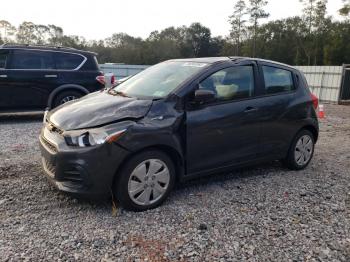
(87, 172)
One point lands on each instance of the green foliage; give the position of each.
(238, 24)
(345, 10)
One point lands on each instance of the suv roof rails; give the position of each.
(36, 45)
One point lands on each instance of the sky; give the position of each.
(100, 19)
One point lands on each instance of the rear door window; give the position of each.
(3, 58)
(277, 80)
(67, 61)
(32, 60)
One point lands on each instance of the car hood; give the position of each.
(97, 109)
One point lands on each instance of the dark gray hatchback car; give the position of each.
(178, 120)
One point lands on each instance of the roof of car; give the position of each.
(212, 60)
(44, 47)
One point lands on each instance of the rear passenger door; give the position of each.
(278, 93)
(32, 76)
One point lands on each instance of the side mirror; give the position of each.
(202, 96)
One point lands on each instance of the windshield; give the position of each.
(158, 81)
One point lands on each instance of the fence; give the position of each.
(121, 70)
(324, 81)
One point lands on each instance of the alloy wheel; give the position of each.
(67, 99)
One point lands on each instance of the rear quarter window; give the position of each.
(67, 61)
(277, 80)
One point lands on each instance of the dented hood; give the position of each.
(97, 109)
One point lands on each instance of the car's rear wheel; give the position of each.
(301, 151)
(145, 181)
(65, 97)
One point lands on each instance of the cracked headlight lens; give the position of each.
(96, 136)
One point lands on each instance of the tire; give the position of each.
(145, 181)
(304, 143)
(65, 97)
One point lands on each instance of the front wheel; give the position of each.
(145, 181)
(301, 151)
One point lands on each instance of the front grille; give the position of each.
(49, 167)
(48, 144)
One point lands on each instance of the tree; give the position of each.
(237, 22)
(198, 38)
(42, 34)
(256, 12)
(314, 15)
(7, 31)
(345, 10)
(55, 33)
(26, 33)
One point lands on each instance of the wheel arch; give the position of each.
(63, 88)
(312, 129)
(170, 151)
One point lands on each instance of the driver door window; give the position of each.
(231, 83)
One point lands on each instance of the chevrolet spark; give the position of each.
(178, 120)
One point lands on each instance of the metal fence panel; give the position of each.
(121, 70)
(324, 81)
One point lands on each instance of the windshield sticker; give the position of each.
(193, 64)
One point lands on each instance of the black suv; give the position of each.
(178, 120)
(36, 77)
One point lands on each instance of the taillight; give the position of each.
(113, 80)
(101, 79)
(314, 100)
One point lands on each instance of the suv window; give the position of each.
(29, 59)
(3, 58)
(231, 83)
(277, 80)
(66, 61)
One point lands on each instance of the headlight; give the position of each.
(96, 136)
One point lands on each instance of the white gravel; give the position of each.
(265, 213)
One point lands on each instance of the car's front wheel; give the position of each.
(145, 181)
(301, 151)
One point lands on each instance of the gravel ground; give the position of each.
(266, 213)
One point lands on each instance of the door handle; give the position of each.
(250, 109)
(50, 76)
(3, 76)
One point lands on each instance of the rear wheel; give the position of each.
(145, 181)
(301, 151)
(65, 97)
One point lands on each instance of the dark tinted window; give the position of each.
(3, 58)
(28, 59)
(277, 80)
(231, 83)
(68, 61)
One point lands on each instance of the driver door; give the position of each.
(225, 132)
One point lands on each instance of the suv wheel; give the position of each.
(145, 181)
(65, 97)
(301, 151)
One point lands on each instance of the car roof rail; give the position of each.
(36, 45)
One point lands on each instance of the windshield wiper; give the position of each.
(118, 93)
